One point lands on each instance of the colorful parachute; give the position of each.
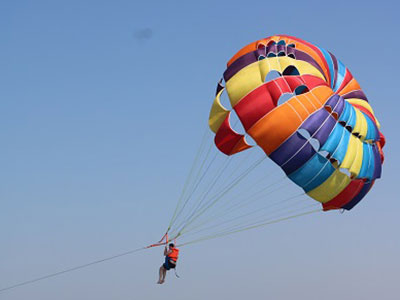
(325, 137)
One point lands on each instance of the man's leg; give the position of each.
(160, 275)
(164, 273)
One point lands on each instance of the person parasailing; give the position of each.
(171, 254)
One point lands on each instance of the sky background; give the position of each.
(103, 104)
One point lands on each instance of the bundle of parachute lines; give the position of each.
(286, 111)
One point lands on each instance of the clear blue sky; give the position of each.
(93, 152)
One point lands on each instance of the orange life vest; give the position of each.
(174, 254)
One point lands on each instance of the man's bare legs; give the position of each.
(162, 274)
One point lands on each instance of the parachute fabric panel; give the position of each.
(218, 113)
(226, 139)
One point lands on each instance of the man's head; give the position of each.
(171, 245)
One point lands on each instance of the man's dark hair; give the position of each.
(172, 245)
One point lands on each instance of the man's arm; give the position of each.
(166, 251)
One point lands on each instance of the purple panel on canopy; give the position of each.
(336, 103)
(253, 56)
(335, 68)
(319, 125)
(323, 133)
(272, 48)
(290, 50)
(260, 51)
(332, 101)
(365, 189)
(356, 94)
(288, 149)
(241, 62)
(340, 107)
(296, 150)
(378, 163)
(281, 48)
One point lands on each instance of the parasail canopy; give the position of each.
(305, 110)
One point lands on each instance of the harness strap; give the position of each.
(165, 235)
(160, 242)
(155, 245)
(176, 273)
